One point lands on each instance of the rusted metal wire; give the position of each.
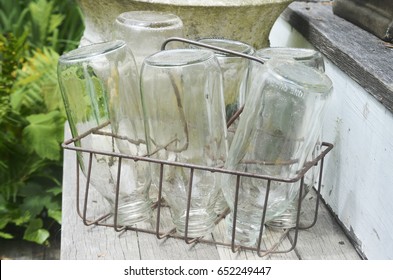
(102, 219)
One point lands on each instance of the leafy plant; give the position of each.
(32, 116)
(55, 23)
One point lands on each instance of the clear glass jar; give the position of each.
(145, 31)
(99, 86)
(308, 57)
(235, 74)
(234, 71)
(185, 123)
(312, 58)
(278, 129)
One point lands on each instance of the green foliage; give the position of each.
(55, 23)
(33, 34)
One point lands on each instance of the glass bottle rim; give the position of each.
(229, 44)
(178, 57)
(86, 52)
(149, 20)
(295, 72)
(287, 52)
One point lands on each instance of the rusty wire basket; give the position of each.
(109, 219)
(159, 206)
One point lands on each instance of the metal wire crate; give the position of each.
(110, 219)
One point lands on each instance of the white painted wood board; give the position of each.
(358, 179)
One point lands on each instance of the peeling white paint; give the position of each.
(358, 177)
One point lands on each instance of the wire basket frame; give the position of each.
(82, 210)
(103, 220)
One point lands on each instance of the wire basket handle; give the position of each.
(192, 42)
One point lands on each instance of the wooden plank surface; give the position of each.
(326, 239)
(323, 241)
(364, 57)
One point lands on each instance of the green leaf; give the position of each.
(37, 84)
(55, 214)
(4, 220)
(6, 235)
(22, 219)
(40, 12)
(29, 98)
(35, 232)
(55, 22)
(35, 204)
(36, 199)
(55, 191)
(15, 217)
(45, 133)
(19, 217)
(31, 189)
(3, 204)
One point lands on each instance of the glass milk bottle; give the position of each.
(278, 129)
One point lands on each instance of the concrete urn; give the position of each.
(249, 21)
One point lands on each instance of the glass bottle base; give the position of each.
(200, 223)
(286, 220)
(133, 212)
(246, 233)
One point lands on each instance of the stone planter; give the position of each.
(249, 21)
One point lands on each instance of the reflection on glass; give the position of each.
(99, 86)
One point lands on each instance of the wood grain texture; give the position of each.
(375, 16)
(331, 242)
(364, 57)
